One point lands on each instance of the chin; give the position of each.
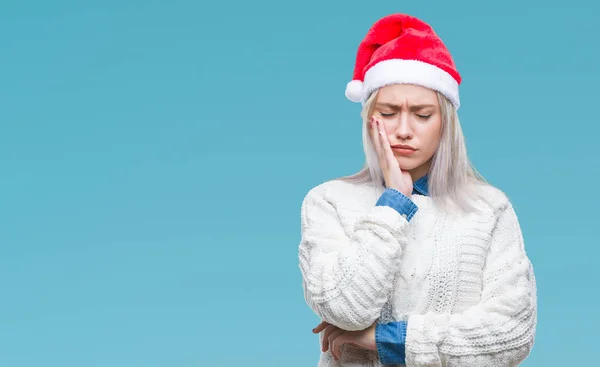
(407, 164)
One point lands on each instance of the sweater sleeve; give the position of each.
(500, 330)
(397, 200)
(347, 273)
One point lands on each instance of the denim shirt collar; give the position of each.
(420, 186)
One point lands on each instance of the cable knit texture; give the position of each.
(463, 283)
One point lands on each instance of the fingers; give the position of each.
(330, 329)
(387, 151)
(376, 139)
(320, 327)
(336, 345)
(332, 337)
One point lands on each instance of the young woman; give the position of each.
(415, 259)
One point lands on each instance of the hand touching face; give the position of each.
(411, 117)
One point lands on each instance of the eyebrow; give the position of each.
(397, 107)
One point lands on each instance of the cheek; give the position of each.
(389, 127)
(429, 138)
(433, 137)
(432, 132)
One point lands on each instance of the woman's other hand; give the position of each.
(334, 338)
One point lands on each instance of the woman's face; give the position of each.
(411, 116)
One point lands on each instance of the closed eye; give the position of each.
(424, 117)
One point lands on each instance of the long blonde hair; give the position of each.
(453, 181)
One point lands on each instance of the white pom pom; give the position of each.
(354, 90)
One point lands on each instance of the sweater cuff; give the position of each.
(398, 201)
(390, 339)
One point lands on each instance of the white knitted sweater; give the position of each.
(464, 284)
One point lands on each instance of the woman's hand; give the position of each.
(334, 338)
(394, 177)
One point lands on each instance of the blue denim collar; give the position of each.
(420, 186)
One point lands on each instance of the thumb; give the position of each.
(320, 327)
(407, 177)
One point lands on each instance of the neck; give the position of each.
(419, 172)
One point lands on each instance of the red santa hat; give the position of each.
(400, 48)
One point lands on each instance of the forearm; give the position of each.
(347, 277)
(349, 287)
(497, 331)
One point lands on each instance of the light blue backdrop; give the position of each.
(154, 156)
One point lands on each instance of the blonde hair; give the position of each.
(453, 181)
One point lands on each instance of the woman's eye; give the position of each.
(386, 114)
(425, 117)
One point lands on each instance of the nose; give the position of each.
(403, 129)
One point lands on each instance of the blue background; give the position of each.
(154, 156)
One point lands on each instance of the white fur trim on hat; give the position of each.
(409, 72)
(354, 90)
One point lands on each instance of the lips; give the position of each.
(402, 147)
(405, 150)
